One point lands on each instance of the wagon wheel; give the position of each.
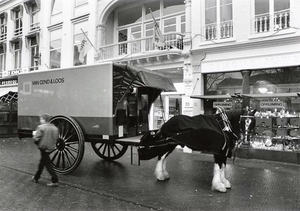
(109, 151)
(69, 150)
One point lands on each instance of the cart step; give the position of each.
(134, 143)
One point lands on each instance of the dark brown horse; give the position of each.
(216, 133)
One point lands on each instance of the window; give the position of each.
(32, 8)
(134, 17)
(17, 54)
(34, 53)
(56, 7)
(80, 2)
(55, 49)
(218, 19)
(81, 44)
(3, 27)
(34, 18)
(271, 15)
(2, 58)
(169, 15)
(17, 15)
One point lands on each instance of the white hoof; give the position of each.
(226, 183)
(159, 176)
(166, 175)
(219, 187)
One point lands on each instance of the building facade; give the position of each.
(211, 49)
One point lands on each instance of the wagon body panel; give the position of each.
(85, 93)
(74, 91)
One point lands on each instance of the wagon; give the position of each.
(104, 104)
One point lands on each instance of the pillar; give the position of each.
(246, 87)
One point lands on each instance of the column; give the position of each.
(246, 87)
(100, 41)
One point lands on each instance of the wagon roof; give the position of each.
(128, 75)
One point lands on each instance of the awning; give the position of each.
(9, 97)
(129, 75)
(274, 95)
(214, 97)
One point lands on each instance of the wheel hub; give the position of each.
(60, 144)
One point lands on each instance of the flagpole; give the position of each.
(89, 40)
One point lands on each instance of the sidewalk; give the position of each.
(100, 185)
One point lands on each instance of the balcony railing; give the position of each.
(266, 23)
(218, 31)
(34, 26)
(172, 40)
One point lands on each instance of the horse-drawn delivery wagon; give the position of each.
(104, 104)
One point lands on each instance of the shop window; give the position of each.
(271, 15)
(218, 19)
(3, 27)
(55, 49)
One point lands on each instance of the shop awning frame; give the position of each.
(274, 95)
(215, 97)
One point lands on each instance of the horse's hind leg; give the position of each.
(160, 168)
(219, 174)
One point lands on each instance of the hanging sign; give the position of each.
(222, 104)
(271, 104)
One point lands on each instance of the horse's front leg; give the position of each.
(223, 176)
(219, 182)
(160, 170)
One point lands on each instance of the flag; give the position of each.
(84, 48)
(157, 35)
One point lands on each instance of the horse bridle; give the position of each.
(226, 122)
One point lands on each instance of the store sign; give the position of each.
(271, 104)
(8, 82)
(222, 104)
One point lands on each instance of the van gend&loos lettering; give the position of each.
(49, 81)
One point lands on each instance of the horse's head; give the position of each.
(239, 122)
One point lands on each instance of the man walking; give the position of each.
(45, 138)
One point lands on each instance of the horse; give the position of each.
(219, 133)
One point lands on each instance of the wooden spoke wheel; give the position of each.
(69, 150)
(109, 151)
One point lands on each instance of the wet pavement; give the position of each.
(101, 185)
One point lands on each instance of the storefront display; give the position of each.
(277, 131)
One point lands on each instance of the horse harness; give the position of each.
(225, 127)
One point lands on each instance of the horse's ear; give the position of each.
(252, 112)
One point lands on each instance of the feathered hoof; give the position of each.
(227, 184)
(220, 187)
(161, 176)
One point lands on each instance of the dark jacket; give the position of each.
(46, 136)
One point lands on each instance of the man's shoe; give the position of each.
(52, 184)
(34, 180)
